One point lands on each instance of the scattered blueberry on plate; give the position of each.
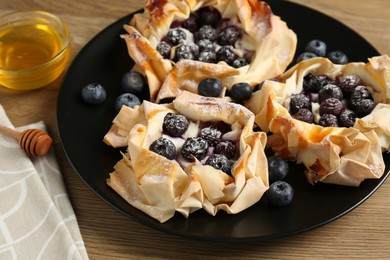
(280, 194)
(93, 94)
(127, 99)
(133, 82)
(277, 168)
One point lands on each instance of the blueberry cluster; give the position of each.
(133, 84)
(341, 100)
(318, 48)
(209, 146)
(214, 39)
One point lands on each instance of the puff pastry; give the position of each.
(160, 187)
(337, 155)
(272, 42)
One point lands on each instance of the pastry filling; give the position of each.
(331, 102)
(214, 144)
(207, 37)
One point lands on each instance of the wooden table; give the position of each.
(364, 232)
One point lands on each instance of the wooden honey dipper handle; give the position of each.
(34, 142)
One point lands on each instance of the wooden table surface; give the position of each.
(364, 232)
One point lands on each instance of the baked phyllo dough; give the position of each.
(183, 42)
(196, 152)
(332, 118)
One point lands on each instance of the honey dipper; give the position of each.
(34, 142)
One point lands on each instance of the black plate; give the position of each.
(81, 128)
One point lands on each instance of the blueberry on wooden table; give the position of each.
(93, 94)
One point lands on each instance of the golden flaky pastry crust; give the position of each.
(160, 187)
(337, 155)
(266, 34)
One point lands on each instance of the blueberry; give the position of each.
(194, 49)
(328, 120)
(280, 194)
(241, 91)
(304, 115)
(208, 56)
(298, 101)
(194, 147)
(226, 148)
(332, 106)
(337, 57)
(226, 54)
(93, 94)
(240, 62)
(349, 83)
(347, 118)
(220, 162)
(317, 47)
(205, 44)
(175, 125)
(210, 87)
(330, 91)
(191, 23)
(184, 52)
(164, 49)
(211, 134)
(313, 83)
(210, 16)
(164, 147)
(277, 168)
(359, 93)
(229, 36)
(176, 36)
(364, 107)
(207, 32)
(133, 82)
(305, 56)
(127, 99)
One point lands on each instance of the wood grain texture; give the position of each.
(362, 233)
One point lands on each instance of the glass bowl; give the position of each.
(34, 49)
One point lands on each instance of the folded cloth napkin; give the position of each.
(37, 220)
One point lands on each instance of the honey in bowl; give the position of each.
(34, 49)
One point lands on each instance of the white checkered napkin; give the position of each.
(36, 218)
